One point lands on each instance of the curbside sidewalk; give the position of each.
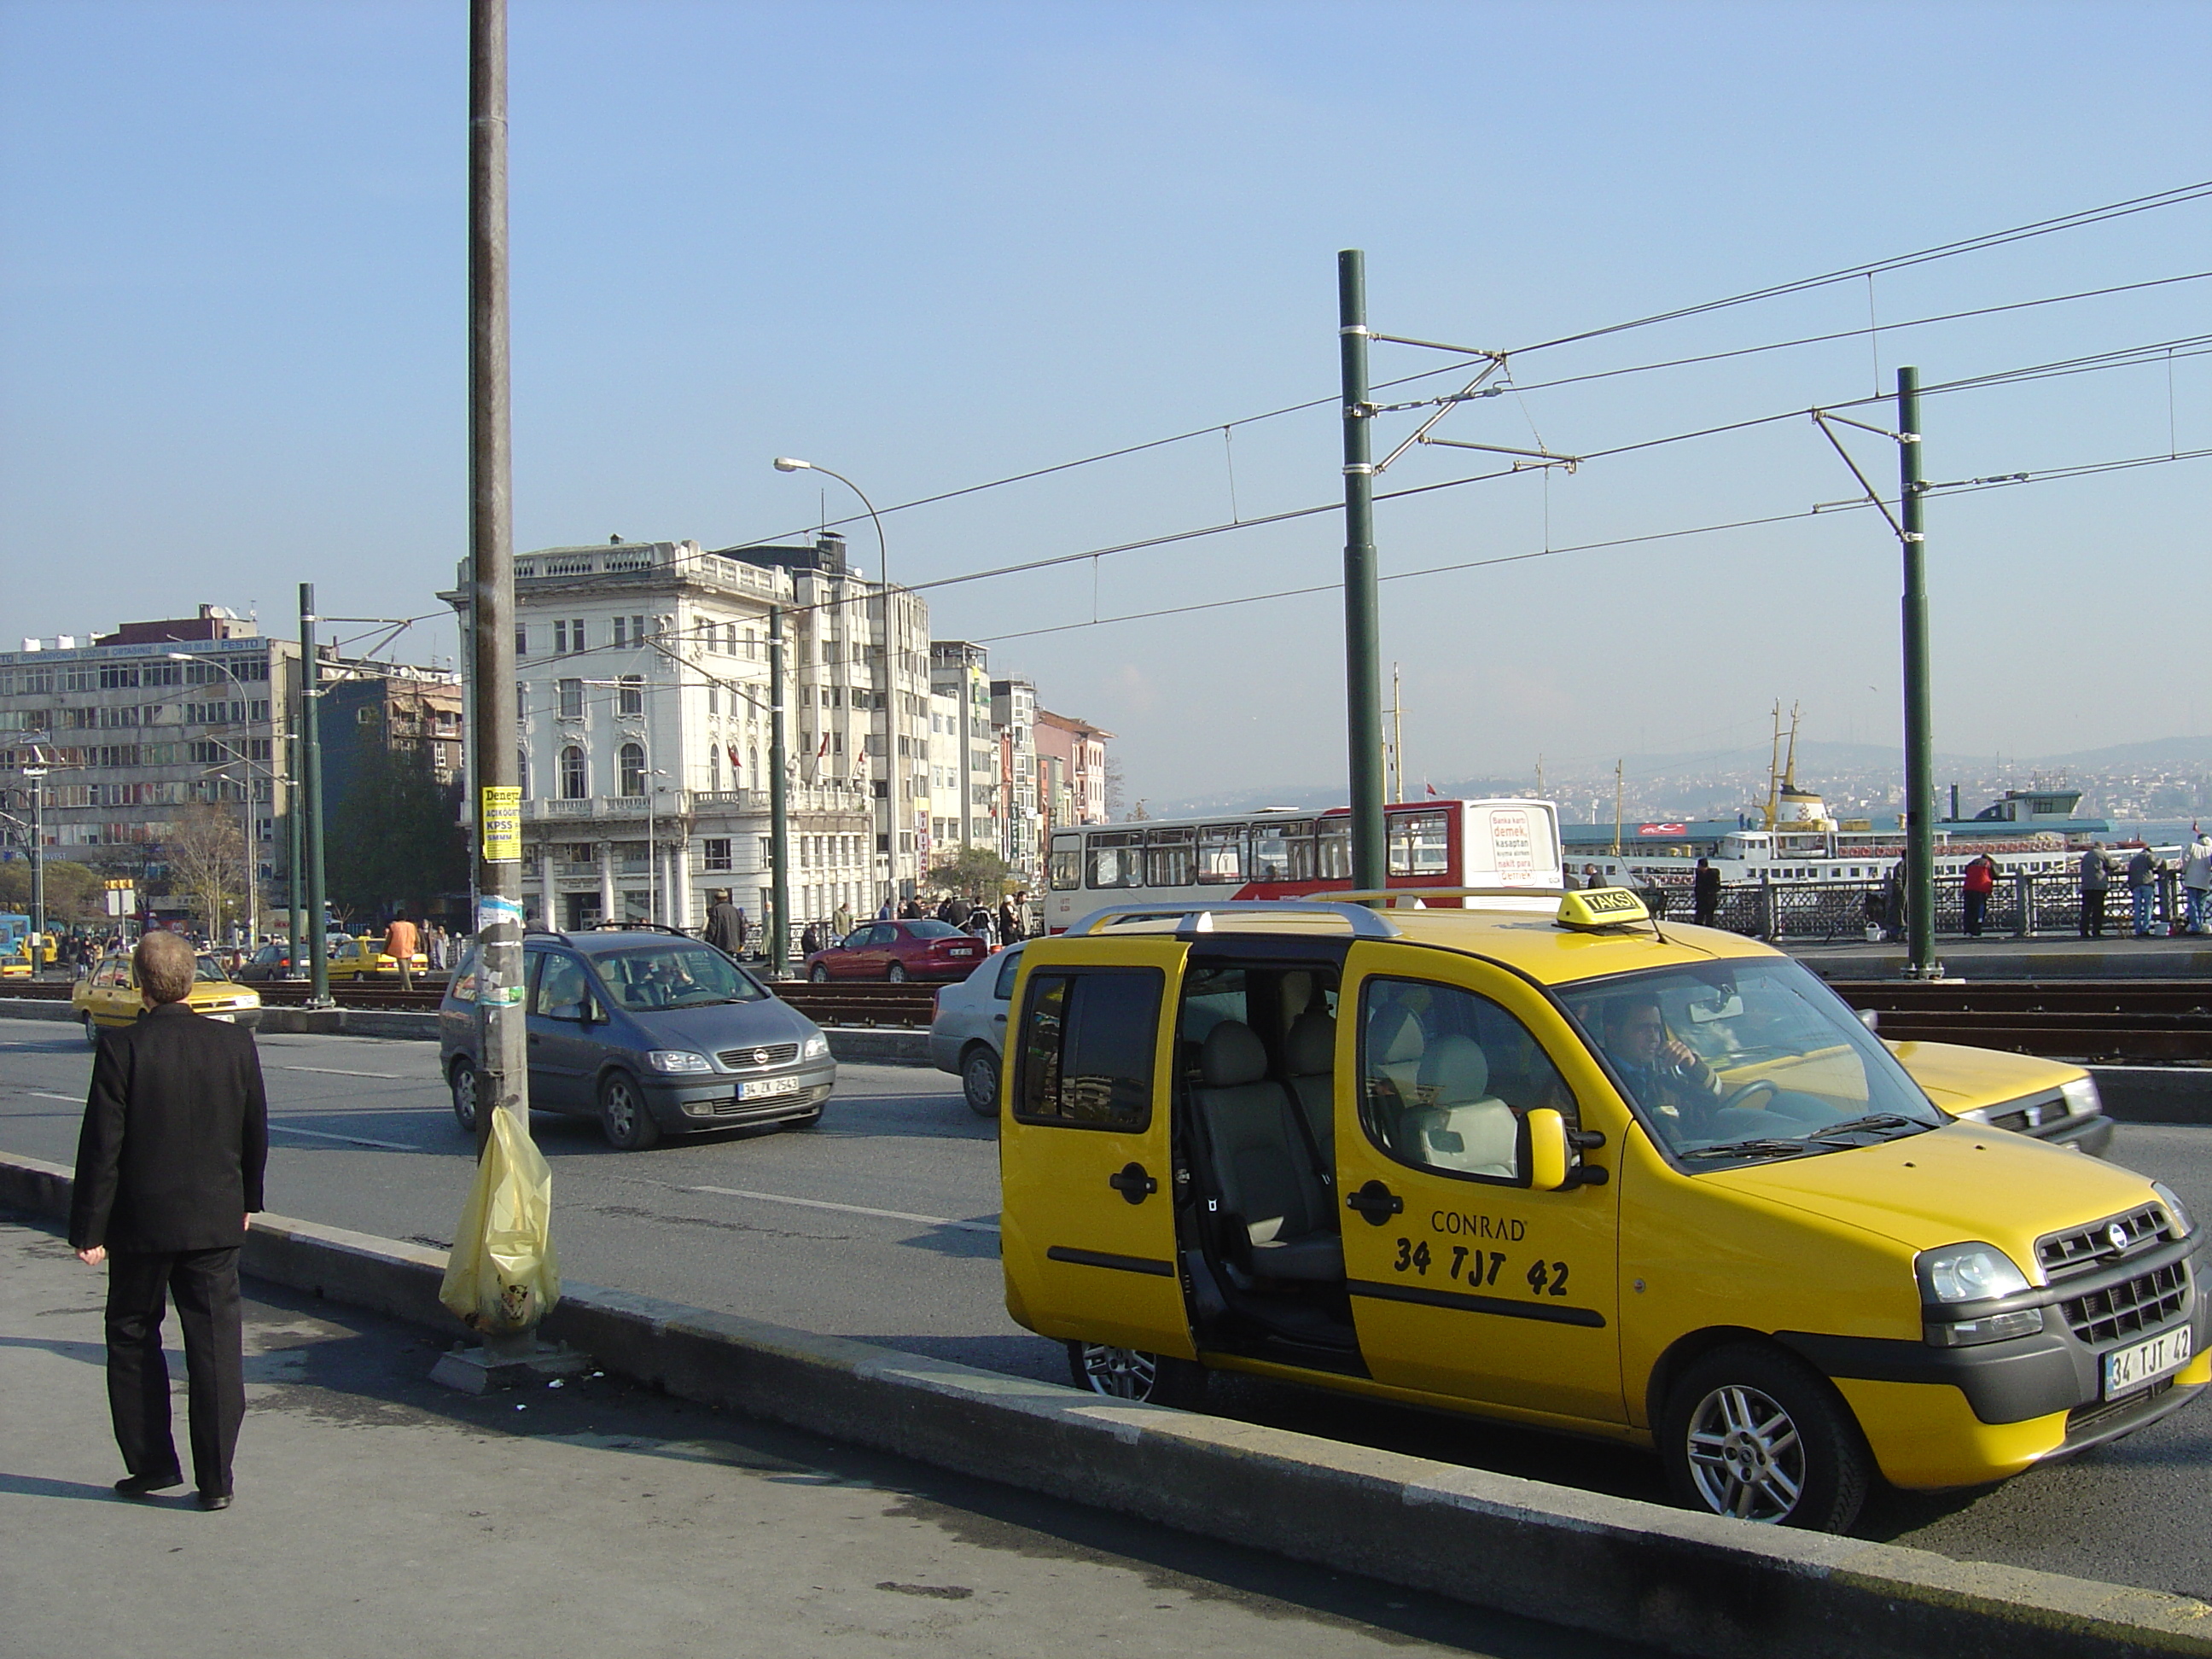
(1693, 1584)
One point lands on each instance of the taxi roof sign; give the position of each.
(1596, 908)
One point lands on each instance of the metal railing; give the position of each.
(2022, 905)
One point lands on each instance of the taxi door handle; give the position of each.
(1132, 1181)
(1377, 1203)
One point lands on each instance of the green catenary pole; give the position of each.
(1362, 651)
(295, 850)
(1919, 744)
(779, 810)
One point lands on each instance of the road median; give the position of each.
(1691, 1584)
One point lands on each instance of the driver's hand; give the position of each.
(1684, 1059)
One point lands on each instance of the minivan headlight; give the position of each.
(2175, 1210)
(1969, 1272)
(2082, 1099)
(814, 1047)
(677, 1060)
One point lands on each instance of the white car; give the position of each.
(970, 1031)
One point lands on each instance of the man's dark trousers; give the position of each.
(204, 1285)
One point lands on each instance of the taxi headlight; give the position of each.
(2175, 1211)
(677, 1060)
(2082, 1099)
(815, 1048)
(1968, 1272)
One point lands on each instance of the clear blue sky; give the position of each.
(933, 244)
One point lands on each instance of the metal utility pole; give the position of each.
(36, 777)
(1363, 687)
(503, 1079)
(1919, 742)
(779, 807)
(311, 794)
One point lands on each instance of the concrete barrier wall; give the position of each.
(1691, 1584)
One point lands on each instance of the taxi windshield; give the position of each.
(1730, 1062)
(207, 968)
(675, 975)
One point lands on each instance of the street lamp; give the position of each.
(898, 773)
(252, 842)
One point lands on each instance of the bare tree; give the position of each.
(206, 856)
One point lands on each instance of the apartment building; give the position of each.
(1014, 717)
(1072, 760)
(642, 674)
(966, 796)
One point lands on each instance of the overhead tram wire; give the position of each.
(2178, 196)
(2045, 475)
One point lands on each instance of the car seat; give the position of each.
(1309, 1056)
(1260, 1167)
(1458, 1123)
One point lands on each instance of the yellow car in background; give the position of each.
(107, 998)
(2047, 1100)
(16, 964)
(363, 958)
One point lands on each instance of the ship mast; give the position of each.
(1774, 765)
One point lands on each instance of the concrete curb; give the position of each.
(2156, 1094)
(1693, 1584)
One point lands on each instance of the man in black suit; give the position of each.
(168, 1172)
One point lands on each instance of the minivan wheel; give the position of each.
(624, 1118)
(1749, 1432)
(898, 975)
(463, 1082)
(821, 974)
(978, 1081)
(1133, 1374)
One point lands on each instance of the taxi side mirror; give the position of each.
(1549, 1166)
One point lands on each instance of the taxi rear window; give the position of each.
(1086, 1056)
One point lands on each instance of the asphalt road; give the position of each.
(881, 1224)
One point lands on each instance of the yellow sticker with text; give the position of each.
(500, 822)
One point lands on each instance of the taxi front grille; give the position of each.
(2087, 1417)
(2026, 1116)
(2101, 1243)
(765, 1054)
(2129, 1309)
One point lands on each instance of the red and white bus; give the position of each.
(1280, 852)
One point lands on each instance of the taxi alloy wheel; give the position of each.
(1133, 1374)
(464, 1085)
(978, 1081)
(1750, 1433)
(624, 1118)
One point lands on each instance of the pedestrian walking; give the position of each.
(1705, 893)
(1010, 923)
(400, 942)
(911, 910)
(1892, 897)
(978, 922)
(2196, 876)
(809, 939)
(725, 925)
(952, 910)
(2142, 888)
(169, 1166)
(2096, 881)
(841, 920)
(1974, 890)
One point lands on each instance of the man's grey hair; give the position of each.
(165, 962)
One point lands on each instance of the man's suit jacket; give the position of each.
(175, 1137)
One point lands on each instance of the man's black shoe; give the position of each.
(138, 1485)
(214, 1500)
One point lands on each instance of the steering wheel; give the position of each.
(1737, 1097)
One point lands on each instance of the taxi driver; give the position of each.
(1662, 1071)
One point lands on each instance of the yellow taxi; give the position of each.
(1549, 1163)
(17, 963)
(107, 998)
(2051, 1100)
(348, 958)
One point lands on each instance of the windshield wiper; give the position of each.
(1872, 1120)
(1766, 1146)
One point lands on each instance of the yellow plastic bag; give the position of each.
(502, 1276)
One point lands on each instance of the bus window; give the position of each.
(1168, 857)
(1221, 855)
(1114, 861)
(1067, 863)
(1299, 839)
(1417, 843)
(1271, 855)
(1335, 849)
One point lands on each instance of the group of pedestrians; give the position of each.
(2141, 874)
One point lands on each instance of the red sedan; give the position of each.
(898, 951)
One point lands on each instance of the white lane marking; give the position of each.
(851, 1209)
(41, 1094)
(335, 1070)
(351, 1140)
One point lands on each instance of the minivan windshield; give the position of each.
(674, 976)
(1730, 1062)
